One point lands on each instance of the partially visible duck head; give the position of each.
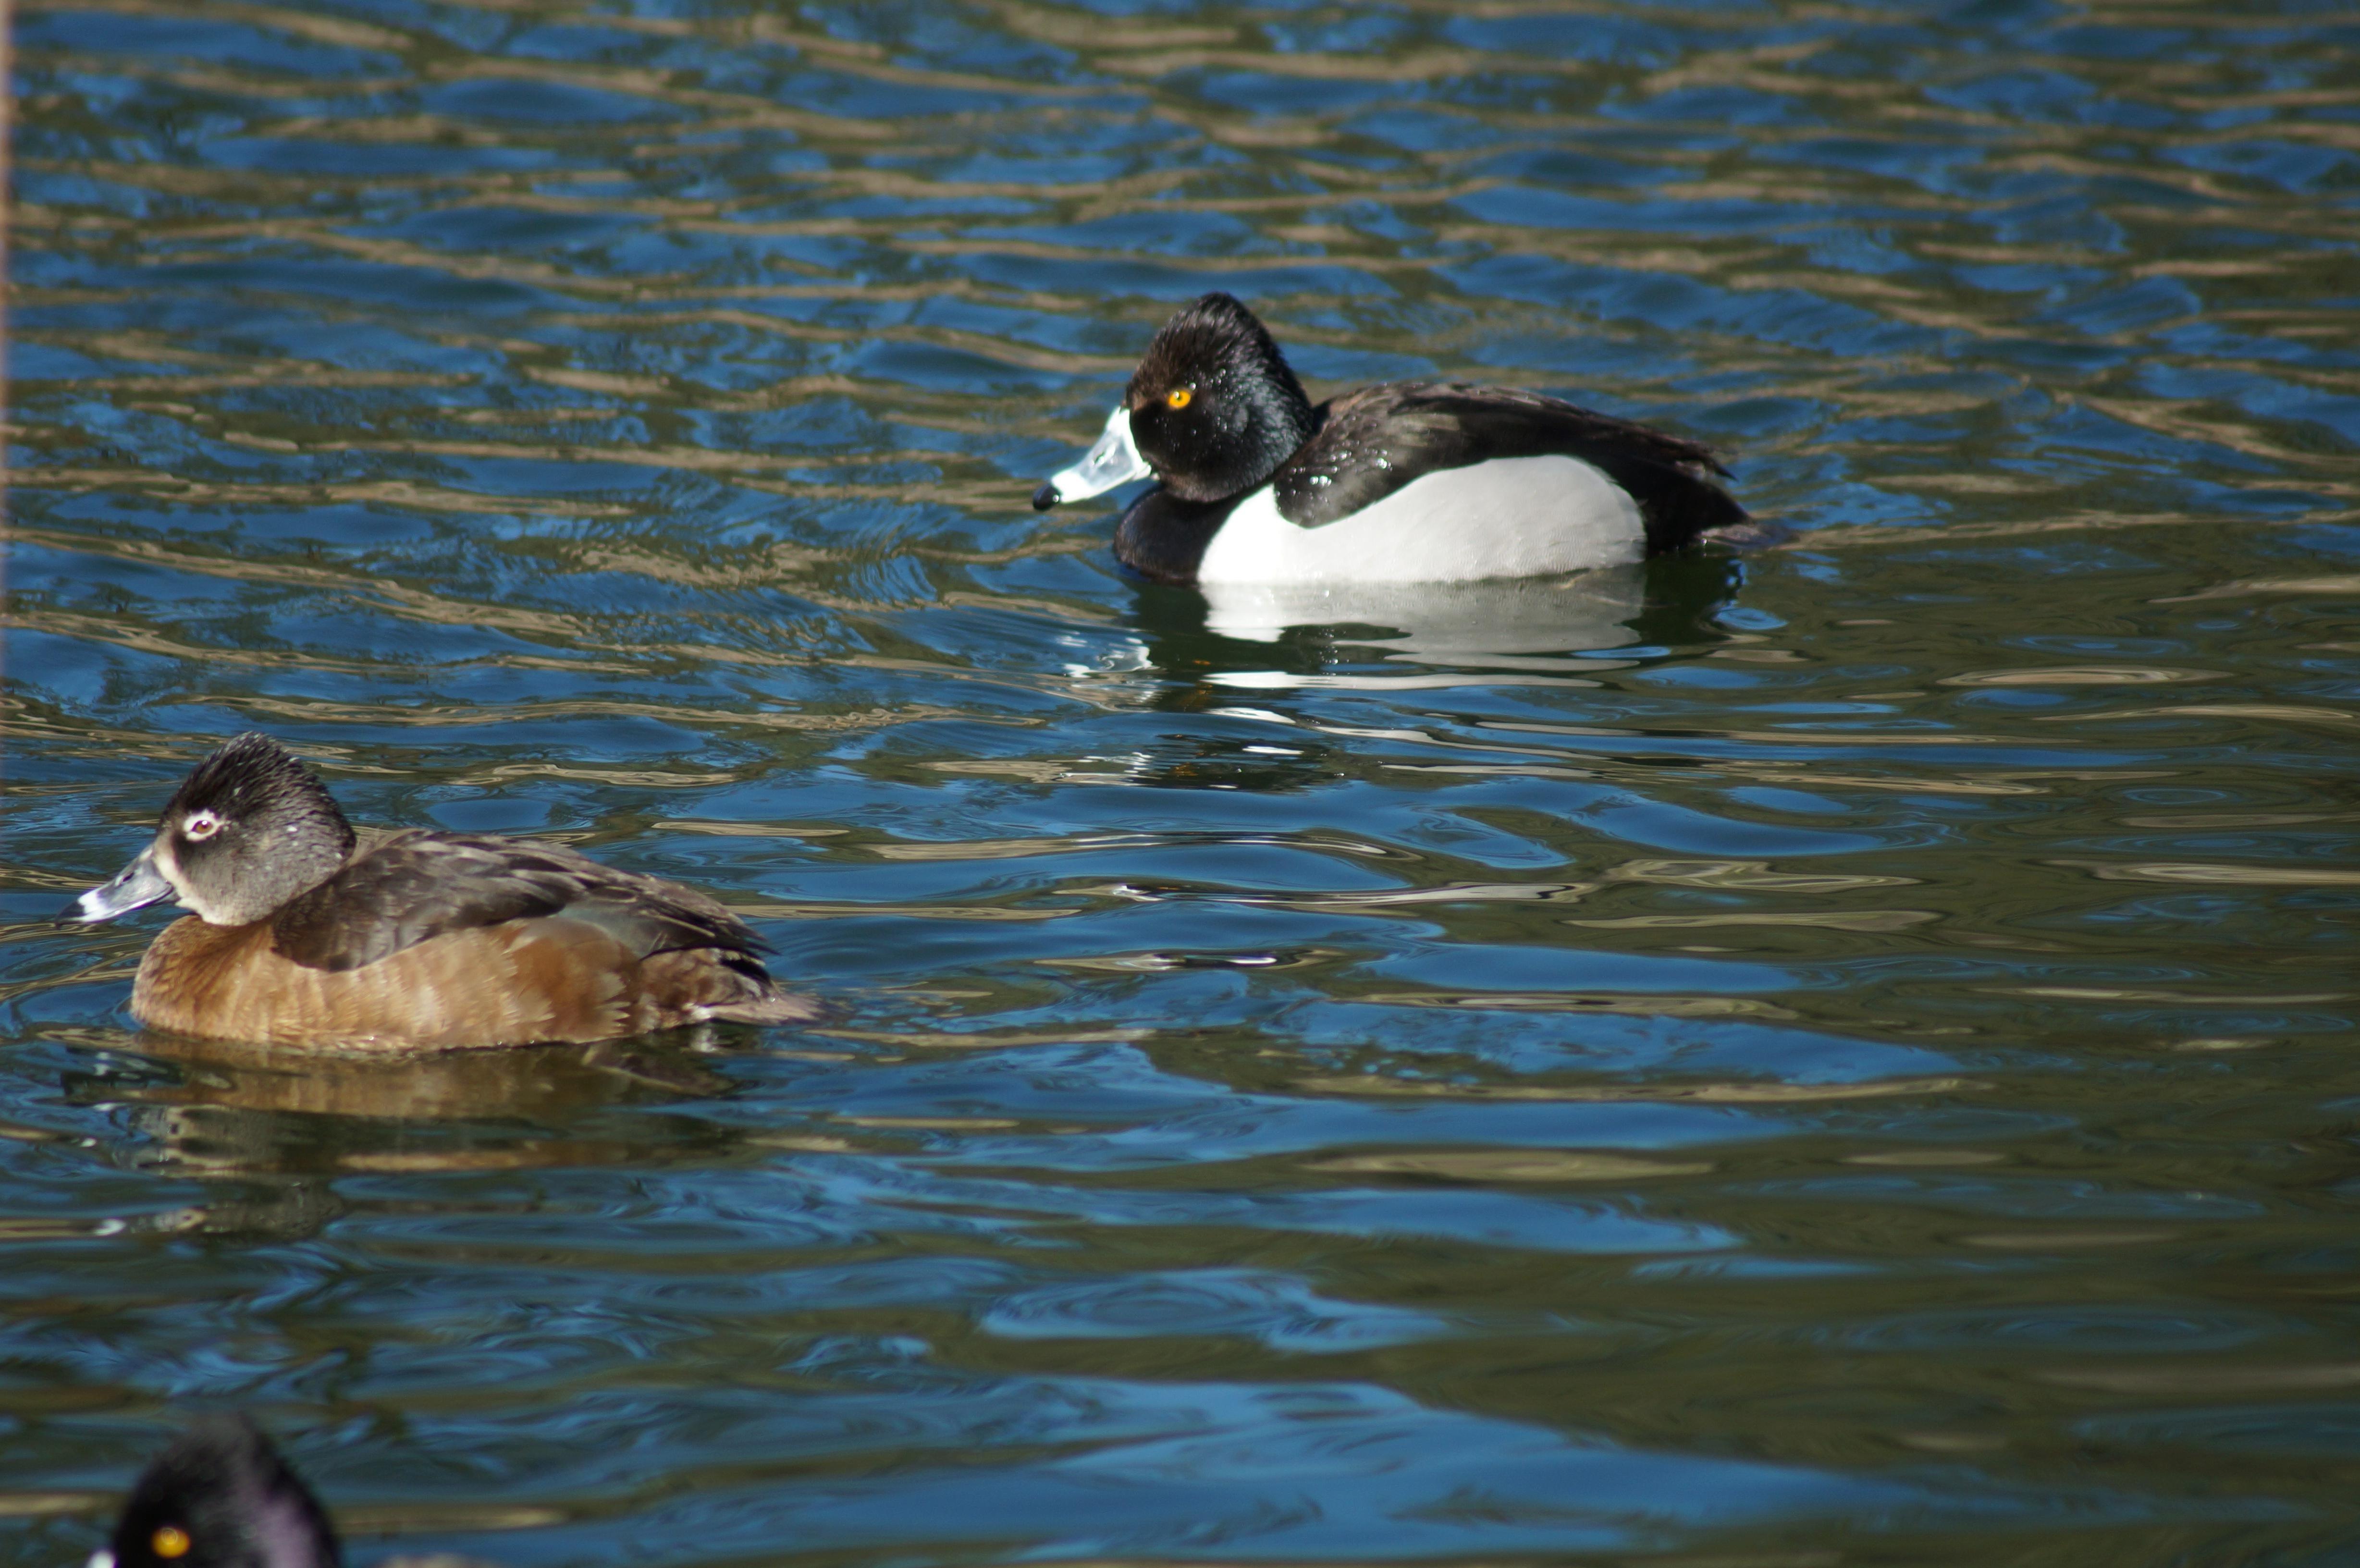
(1212, 412)
(220, 1496)
(250, 829)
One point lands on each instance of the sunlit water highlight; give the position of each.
(1841, 1055)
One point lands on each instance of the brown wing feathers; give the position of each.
(420, 885)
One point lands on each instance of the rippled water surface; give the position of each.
(1838, 1055)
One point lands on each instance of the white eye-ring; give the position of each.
(199, 825)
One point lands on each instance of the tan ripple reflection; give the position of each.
(1511, 1165)
(2079, 675)
(2248, 875)
(2341, 586)
(335, 31)
(2211, 1379)
(2289, 713)
(1720, 1093)
(1640, 1004)
(1752, 875)
(41, 1505)
(1830, 920)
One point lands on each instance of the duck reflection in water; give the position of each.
(1441, 623)
(1213, 648)
(269, 1128)
(1232, 638)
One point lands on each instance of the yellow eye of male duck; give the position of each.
(1178, 397)
(171, 1540)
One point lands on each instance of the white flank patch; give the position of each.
(1512, 516)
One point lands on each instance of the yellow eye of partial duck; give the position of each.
(1178, 397)
(170, 1541)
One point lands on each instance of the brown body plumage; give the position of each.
(512, 984)
(304, 936)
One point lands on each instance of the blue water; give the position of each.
(1842, 1054)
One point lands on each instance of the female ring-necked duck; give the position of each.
(220, 1496)
(1409, 482)
(303, 936)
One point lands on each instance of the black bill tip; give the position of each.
(1045, 498)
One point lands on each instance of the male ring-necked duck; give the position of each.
(220, 1496)
(304, 936)
(1408, 482)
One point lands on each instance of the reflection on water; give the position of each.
(1442, 623)
(1195, 644)
(230, 1106)
(267, 1128)
(1836, 1051)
